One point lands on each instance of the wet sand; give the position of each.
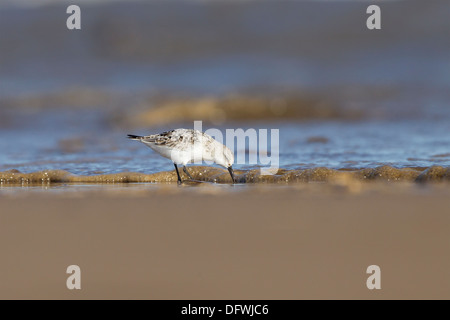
(306, 241)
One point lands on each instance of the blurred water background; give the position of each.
(341, 95)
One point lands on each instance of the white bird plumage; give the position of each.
(184, 146)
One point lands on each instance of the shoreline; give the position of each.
(219, 175)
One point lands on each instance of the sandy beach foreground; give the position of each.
(299, 242)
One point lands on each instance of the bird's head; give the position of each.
(225, 158)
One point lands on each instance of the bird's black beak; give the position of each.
(230, 170)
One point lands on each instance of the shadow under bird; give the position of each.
(184, 146)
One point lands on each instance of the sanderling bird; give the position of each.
(184, 146)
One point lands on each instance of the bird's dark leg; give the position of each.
(187, 172)
(178, 174)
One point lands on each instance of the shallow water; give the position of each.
(82, 143)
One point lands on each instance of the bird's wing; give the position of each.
(172, 139)
(178, 139)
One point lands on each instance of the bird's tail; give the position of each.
(133, 137)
